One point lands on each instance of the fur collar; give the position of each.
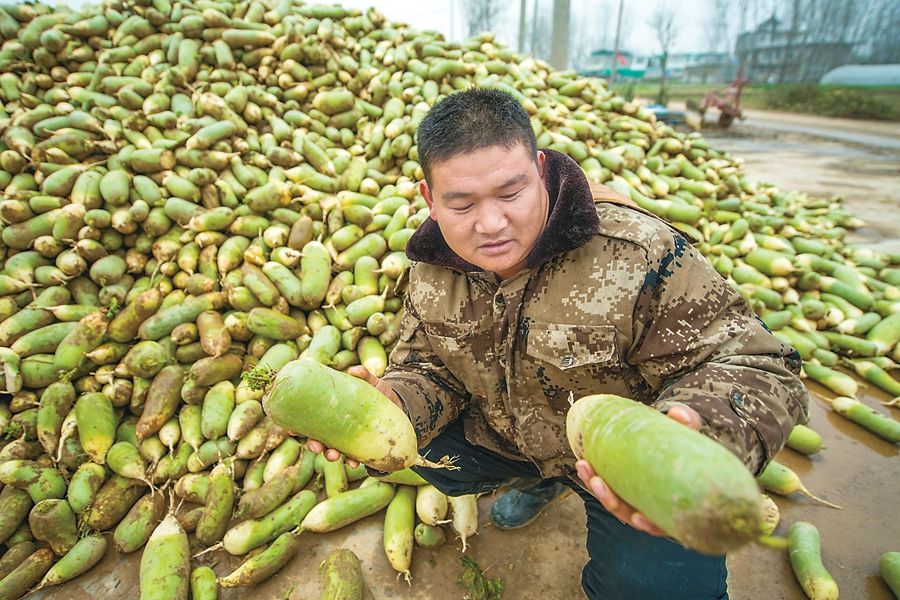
(572, 221)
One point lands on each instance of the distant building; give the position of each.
(693, 67)
(772, 53)
(628, 66)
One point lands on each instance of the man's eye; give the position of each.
(461, 209)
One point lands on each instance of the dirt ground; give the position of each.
(543, 561)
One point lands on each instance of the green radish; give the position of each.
(403, 477)
(274, 325)
(96, 425)
(218, 404)
(464, 520)
(889, 565)
(431, 505)
(429, 536)
(262, 566)
(125, 460)
(804, 440)
(166, 563)
(189, 421)
(335, 475)
(344, 413)
(399, 525)
(86, 553)
(282, 457)
(203, 584)
(219, 505)
(837, 382)
(779, 479)
(246, 536)
(163, 399)
(113, 500)
(169, 434)
(349, 507)
(209, 453)
(83, 486)
(875, 375)
(22, 534)
(306, 464)
(325, 343)
(806, 560)
(15, 505)
(718, 503)
(87, 335)
(266, 498)
(193, 487)
(43, 340)
(41, 483)
(372, 355)
(253, 478)
(243, 418)
(879, 424)
(341, 575)
(886, 333)
(315, 274)
(15, 555)
(53, 521)
(56, 402)
(190, 519)
(145, 359)
(26, 575)
(134, 530)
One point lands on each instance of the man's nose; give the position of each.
(490, 221)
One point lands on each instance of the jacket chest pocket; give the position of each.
(581, 359)
(466, 353)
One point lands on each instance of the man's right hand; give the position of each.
(379, 384)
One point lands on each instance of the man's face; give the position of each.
(491, 205)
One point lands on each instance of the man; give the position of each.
(525, 292)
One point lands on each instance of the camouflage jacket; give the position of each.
(613, 301)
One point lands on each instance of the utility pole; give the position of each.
(522, 26)
(452, 20)
(615, 56)
(559, 53)
(534, 28)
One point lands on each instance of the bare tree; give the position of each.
(482, 15)
(718, 24)
(541, 30)
(787, 56)
(885, 43)
(591, 23)
(664, 23)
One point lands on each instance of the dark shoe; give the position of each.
(519, 507)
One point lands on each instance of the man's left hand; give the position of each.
(610, 501)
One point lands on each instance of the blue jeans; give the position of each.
(625, 564)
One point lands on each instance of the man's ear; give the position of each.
(426, 194)
(541, 159)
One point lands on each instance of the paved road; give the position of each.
(879, 134)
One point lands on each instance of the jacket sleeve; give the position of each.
(698, 343)
(432, 397)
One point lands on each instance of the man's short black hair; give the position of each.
(469, 120)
